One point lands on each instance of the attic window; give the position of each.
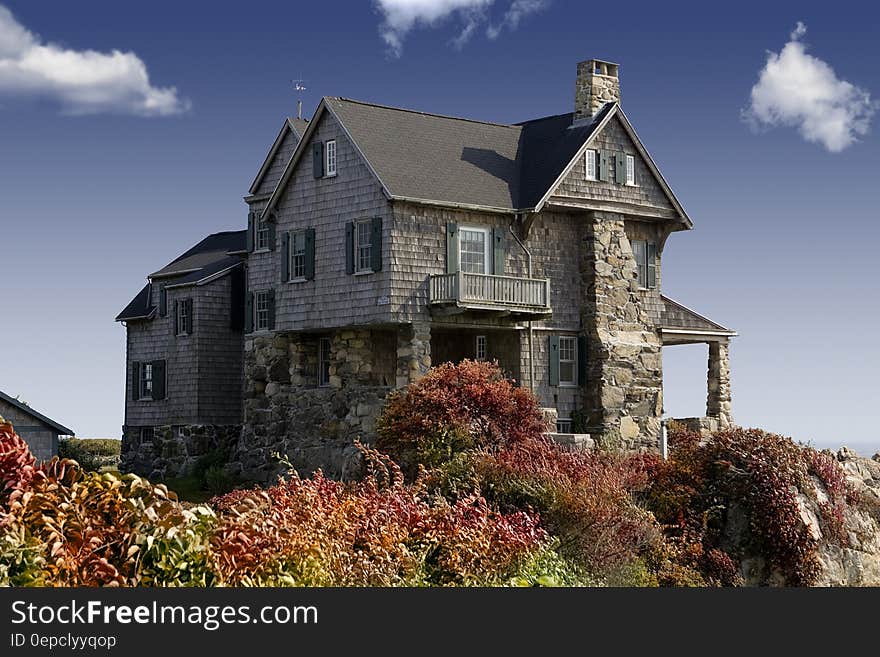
(630, 170)
(262, 241)
(330, 156)
(590, 165)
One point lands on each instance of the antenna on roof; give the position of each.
(299, 86)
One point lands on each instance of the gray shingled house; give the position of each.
(382, 240)
(38, 431)
(184, 346)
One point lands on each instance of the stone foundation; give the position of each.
(175, 449)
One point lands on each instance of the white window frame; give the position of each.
(564, 425)
(330, 158)
(630, 170)
(487, 245)
(324, 362)
(145, 381)
(363, 251)
(640, 255)
(481, 344)
(261, 298)
(590, 164)
(294, 254)
(261, 238)
(182, 317)
(565, 339)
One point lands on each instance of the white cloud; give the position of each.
(400, 17)
(83, 81)
(802, 91)
(518, 10)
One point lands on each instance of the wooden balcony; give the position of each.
(499, 295)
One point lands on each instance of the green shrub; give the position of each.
(91, 453)
(217, 481)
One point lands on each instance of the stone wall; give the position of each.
(175, 449)
(623, 398)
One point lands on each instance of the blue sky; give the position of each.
(107, 173)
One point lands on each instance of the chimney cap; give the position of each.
(601, 67)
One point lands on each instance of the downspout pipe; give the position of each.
(517, 218)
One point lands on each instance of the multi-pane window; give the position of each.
(146, 435)
(363, 249)
(563, 425)
(474, 250)
(262, 306)
(183, 317)
(645, 255)
(480, 348)
(330, 158)
(146, 381)
(590, 164)
(262, 239)
(630, 170)
(298, 255)
(324, 362)
(567, 360)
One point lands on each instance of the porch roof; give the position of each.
(681, 325)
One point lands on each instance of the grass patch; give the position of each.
(188, 489)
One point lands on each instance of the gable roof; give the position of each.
(675, 315)
(208, 259)
(60, 428)
(298, 128)
(462, 162)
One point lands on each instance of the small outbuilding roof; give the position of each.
(24, 408)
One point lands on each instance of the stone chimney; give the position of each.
(597, 84)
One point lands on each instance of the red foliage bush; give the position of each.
(16, 465)
(455, 408)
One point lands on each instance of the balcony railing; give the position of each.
(486, 292)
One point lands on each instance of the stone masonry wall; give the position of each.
(175, 449)
(623, 398)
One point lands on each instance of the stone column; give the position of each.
(413, 352)
(623, 396)
(718, 398)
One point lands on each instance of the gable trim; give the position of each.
(640, 147)
(61, 429)
(267, 163)
(323, 106)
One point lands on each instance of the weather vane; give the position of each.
(299, 86)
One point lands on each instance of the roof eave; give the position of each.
(60, 428)
(288, 125)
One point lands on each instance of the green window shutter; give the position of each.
(285, 256)
(271, 310)
(249, 313)
(310, 254)
(163, 301)
(318, 159)
(158, 379)
(451, 248)
(176, 317)
(652, 265)
(582, 359)
(376, 243)
(188, 329)
(349, 248)
(554, 360)
(135, 380)
(250, 231)
(603, 166)
(620, 168)
(499, 241)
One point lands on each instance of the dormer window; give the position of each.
(590, 165)
(330, 158)
(630, 170)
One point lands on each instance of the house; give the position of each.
(381, 241)
(38, 431)
(396, 239)
(184, 345)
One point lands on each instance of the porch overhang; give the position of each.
(681, 325)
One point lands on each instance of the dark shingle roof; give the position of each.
(676, 316)
(208, 257)
(60, 428)
(299, 125)
(462, 161)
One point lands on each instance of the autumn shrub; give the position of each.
(453, 409)
(17, 465)
(757, 475)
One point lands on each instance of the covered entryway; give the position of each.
(680, 325)
(452, 344)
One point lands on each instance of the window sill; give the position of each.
(265, 249)
(365, 272)
(330, 175)
(568, 385)
(301, 279)
(630, 185)
(143, 399)
(181, 335)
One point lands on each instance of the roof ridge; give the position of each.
(435, 114)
